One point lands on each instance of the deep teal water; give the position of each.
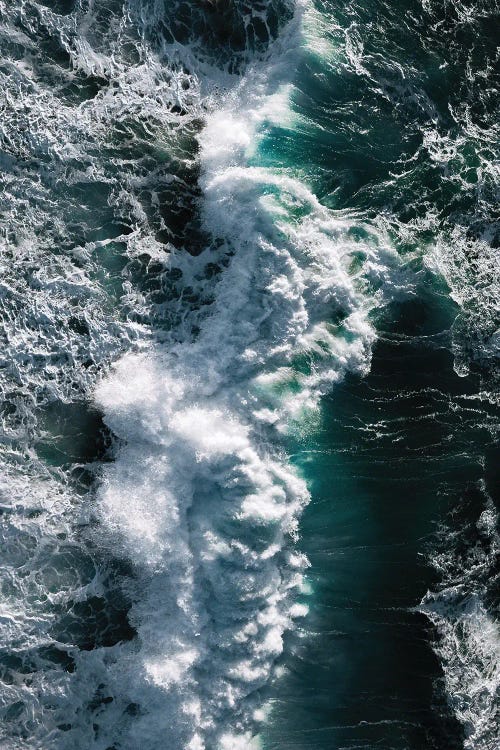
(398, 453)
(407, 450)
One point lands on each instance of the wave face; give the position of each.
(399, 122)
(178, 294)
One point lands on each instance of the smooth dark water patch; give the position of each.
(396, 452)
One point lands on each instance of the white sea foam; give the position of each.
(469, 635)
(68, 306)
(200, 496)
(471, 269)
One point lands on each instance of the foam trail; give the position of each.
(201, 496)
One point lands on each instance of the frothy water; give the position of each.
(469, 633)
(212, 504)
(176, 300)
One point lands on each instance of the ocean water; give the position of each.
(249, 303)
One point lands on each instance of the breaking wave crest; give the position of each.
(200, 501)
(212, 504)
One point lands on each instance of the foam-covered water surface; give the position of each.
(212, 216)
